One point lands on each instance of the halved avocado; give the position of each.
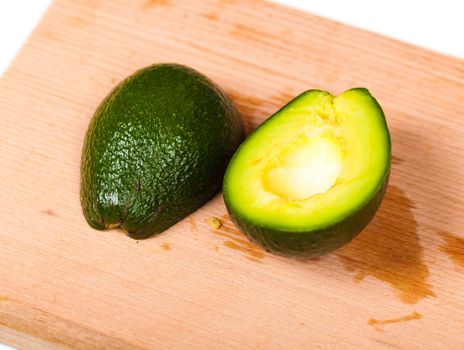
(312, 176)
(156, 150)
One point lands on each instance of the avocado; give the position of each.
(312, 176)
(156, 150)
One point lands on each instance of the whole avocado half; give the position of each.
(312, 176)
(156, 150)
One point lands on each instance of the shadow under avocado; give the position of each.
(389, 250)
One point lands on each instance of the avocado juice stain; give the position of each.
(389, 249)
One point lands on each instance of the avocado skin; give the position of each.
(156, 150)
(314, 243)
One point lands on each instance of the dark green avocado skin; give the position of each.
(316, 243)
(156, 150)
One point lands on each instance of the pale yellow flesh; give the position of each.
(313, 163)
(307, 166)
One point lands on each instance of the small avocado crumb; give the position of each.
(214, 222)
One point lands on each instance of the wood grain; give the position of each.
(399, 285)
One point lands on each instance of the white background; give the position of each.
(437, 25)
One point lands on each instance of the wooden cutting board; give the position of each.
(399, 285)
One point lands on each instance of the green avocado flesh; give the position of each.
(156, 150)
(313, 175)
